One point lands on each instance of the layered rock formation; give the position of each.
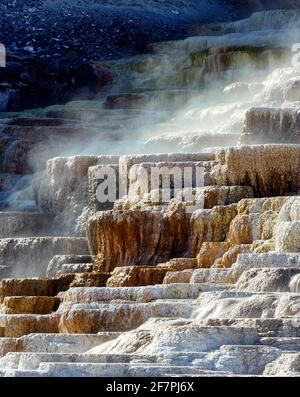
(205, 283)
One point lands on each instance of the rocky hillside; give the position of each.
(70, 30)
(51, 43)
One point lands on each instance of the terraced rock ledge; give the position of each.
(145, 288)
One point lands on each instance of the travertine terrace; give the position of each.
(150, 289)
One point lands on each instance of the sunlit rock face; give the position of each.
(255, 166)
(210, 226)
(130, 276)
(210, 252)
(255, 220)
(31, 304)
(34, 287)
(107, 231)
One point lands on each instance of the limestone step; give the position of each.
(16, 325)
(167, 370)
(7, 345)
(113, 370)
(189, 141)
(34, 287)
(205, 193)
(245, 359)
(31, 361)
(29, 256)
(266, 327)
(283, 343)
(131, 160)
(24, 224)
(232, 304)
(29, 304)
(287, 365)
(265, 260)
(76, 268)
(50, 344)
(256, 164)
(179, 336)
(63, 343)
(60, 262)
(123, 316)
(134, 294)
(234, 359)
(206, 277)
(23, 374)
(81, 370)
(133, 276)
(269, 280)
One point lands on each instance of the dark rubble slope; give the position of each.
(50, 43)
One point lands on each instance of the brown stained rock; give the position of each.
(90, 280)
(118, 318)
(264, 247)
(210, 252)
(255, 166)
(210, 226)
(141, 234)
(225, 195)
(16, 325)
(230, 257)
(179, 264)
(255, 220)
(34, 286)
(240, 231)
(131, 276)
(30, 304)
